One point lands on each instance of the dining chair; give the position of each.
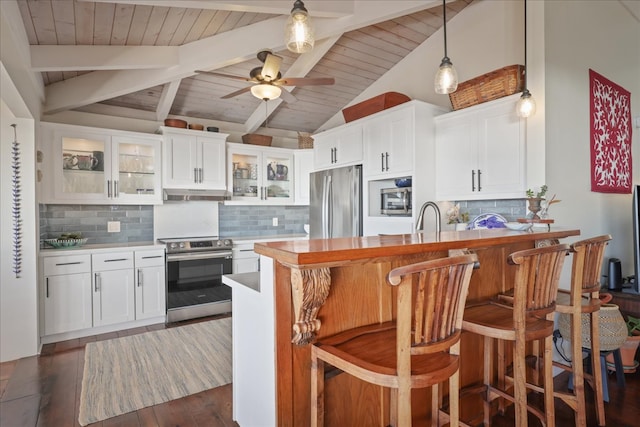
(528, 317)
(421, 348)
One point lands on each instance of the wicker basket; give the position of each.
(374, 105)
(612, 327)
(256, 139)
(487, 87)
(305, 140)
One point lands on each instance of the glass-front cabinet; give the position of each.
(99, 166)
(260, 175)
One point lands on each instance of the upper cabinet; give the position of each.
(303, 166)
(388, 143)
(193, 159)
(260, 175)
(481, 152)
(338, 147)
(100, 166)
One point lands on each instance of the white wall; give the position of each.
(604, 36)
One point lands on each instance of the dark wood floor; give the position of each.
(44, 391)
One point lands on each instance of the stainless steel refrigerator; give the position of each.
(335, 209)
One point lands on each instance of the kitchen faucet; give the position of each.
(420, 223)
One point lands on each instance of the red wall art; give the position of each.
(610, 112)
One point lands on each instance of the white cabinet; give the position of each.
(66, 293)
(193, 159)
(113, 288)
(260, 175)
(302, 168)
(481, 152)
(100, 166)
(245, 260)
(150, 299)
(388, 144)
(338, 147)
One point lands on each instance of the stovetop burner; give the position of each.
(195, 244)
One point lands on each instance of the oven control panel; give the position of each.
(198, 245)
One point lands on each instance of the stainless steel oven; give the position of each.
(194, 277)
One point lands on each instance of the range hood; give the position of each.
(174, 194)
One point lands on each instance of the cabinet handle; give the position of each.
(115, 259)
(116, 192)
(47, 287)
(473, 180)
(139, 277)
(335, 156)
(201, 178)
(153, 256)
(386, 157)
(381, 162)
(96, 278)
(479, 173)
(69, 263)
(245, 250)
(109, 188)
(195, 175)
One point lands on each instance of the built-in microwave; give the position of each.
(395, 201)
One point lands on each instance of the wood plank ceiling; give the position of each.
(355, 58)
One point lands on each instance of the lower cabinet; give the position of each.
(245, 260)
(103, 289)
(113, 293)
(66, 294)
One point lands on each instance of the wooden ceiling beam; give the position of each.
(94, 58)
(169, 92)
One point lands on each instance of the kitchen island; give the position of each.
(319, 287)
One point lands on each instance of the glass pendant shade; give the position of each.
(446, 80)
(526, 106)
(299, 35)
(265, 91)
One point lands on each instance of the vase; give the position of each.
(461, 226)
(535, 204)
(627, 353)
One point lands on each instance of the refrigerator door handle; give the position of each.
(325, 207)
(329, 207)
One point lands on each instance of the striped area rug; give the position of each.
(129, 373)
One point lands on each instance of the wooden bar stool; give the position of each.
(583, 298)
(529, 318)
(420, 349)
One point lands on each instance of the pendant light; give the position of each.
(526, 105)
(298, 33)
(446, 80)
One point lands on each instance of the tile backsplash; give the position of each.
(511, 209)
(249, 221)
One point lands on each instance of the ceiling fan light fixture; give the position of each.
(299, 34)
(266, 92)
(446, 80)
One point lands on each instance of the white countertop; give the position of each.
(249, 280)
(276, 238)
(103, 247)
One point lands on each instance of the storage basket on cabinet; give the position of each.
(487, 87)
(256, 139)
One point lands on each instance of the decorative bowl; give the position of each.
(196, 126)
(65, 243)
(403, 182)
(212, 129)
(517, 226)
(175, 123)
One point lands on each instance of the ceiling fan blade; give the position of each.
(226, 76)
(271, 67)
(305, 81)
(288, 97)
(236, 93)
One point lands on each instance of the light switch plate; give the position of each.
(275, 222)
(113, 226)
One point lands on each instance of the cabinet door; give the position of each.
(245, 173)
(180, 161)
(303, 166)
(456, 154)
(81, 165)
(338, 147)
(501, 151)
(388, 144)
(67, 303)
(211, 164)
(246, 265)
(278, 176)
(323, 153)
(136, 170)
(150, 292)
(113, 297)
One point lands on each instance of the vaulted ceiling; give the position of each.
(138, 58)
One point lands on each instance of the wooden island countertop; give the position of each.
(319, 287)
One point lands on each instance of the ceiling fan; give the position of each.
(268, 81)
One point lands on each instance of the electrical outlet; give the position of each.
(113, 226)
(274, 221)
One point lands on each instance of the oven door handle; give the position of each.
(193, 256)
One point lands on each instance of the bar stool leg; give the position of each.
(519, 379)
(549, 408)
(578, 368)
(597, 368)
(488, 375)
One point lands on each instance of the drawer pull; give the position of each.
(116, 259)
(69, 263)
(154, 256)
(246, 250)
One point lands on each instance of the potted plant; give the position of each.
(460, 219)
(535, 200)
(629, 347)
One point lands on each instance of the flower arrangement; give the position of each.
(539, 195)
(538, 203)
(457, 217)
